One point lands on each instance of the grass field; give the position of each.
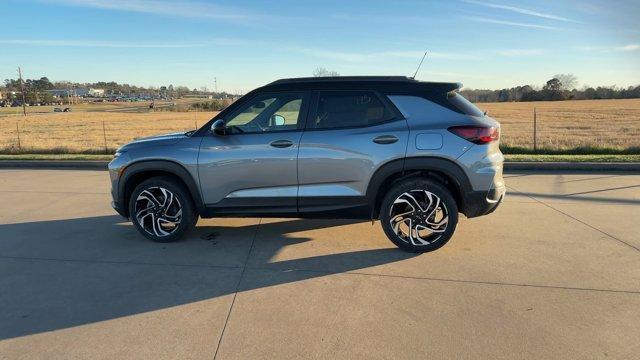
(562, 125)
(82, 132)
(569, 124)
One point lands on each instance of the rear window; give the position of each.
(340, 109)
(464, 105)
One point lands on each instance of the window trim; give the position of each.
(396, 115)
(304, 111)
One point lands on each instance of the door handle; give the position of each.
(385, 139)
(281, 143)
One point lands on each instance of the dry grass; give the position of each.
(569, 124)
(561, 125)
(82, 132)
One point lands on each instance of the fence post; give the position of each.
(535, 131)
(104, 135)
(18, 132)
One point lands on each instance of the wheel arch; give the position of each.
(138, 172)
(445, 171)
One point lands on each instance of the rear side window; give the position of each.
(340, 109)
(464, 105)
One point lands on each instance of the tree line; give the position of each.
(560, 87)
(37, 90)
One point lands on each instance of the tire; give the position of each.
(433, 219)
(155, 218)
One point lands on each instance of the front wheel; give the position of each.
(162, 210)
(419, 215)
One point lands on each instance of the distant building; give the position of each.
(61, 93)
(58, 93)
(1, 95)
(198, 96)
(96, 92)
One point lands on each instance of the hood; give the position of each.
(165, 139)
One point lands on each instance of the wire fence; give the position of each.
(566, 125)
(610, 124)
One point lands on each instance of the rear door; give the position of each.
(348, 135)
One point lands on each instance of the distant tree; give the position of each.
(322, 72)
(567, 81)
(553, 85)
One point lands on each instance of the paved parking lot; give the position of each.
(554, 273)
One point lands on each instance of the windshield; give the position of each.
(464, 105)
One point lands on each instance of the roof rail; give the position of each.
(343, 78)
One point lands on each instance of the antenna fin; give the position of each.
(419, 66)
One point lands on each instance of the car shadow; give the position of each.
(59, 274)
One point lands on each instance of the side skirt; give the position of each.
(312, 208)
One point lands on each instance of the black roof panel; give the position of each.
(342, 78)
(373, 82)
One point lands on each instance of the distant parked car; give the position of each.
(57, 110)
(66, 109)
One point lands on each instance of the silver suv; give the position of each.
(412, 154)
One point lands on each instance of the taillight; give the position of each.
(477, 134)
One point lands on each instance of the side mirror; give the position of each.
(219, 127)
(277, 120)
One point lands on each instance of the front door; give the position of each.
(253, 168)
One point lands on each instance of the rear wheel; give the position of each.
(419, 215)
(162, 209)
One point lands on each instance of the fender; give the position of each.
(165, 166)
(452, 170)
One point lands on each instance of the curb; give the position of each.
(524, 165)
(54, 164)
(576, 166)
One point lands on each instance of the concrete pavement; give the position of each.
(554, 273)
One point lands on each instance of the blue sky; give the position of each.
(495, 44)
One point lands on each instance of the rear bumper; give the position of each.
(478, 203)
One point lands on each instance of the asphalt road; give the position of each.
(554, 273)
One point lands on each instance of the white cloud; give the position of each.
(99, 43)
(510, 23)
(119, 44)
(520, 11)
(430, 55)
(364, 57)
(520, 52)
(630, 47)
(605, 49)
(189, 9)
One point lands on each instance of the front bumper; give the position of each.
(119, 209)
(115, 171)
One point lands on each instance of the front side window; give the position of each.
(265, 113)
(341, 109)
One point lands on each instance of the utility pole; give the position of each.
(215, 84)
(24, 105)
